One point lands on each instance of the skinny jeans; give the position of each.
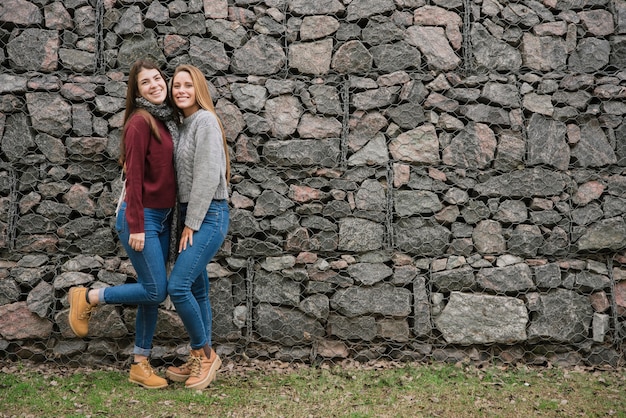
(149, 264)
(188, 285)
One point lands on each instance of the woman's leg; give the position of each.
(149, 264)
(200, 290)
(189, 273)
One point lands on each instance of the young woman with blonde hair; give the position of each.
(203, 172)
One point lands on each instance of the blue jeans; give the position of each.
(188, 285)
(149, 264)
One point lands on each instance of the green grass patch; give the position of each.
(335, 391)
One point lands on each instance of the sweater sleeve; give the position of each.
(137, 138)
(208, 169)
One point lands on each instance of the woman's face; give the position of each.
(152, 86)
(184, 93)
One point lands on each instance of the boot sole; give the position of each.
(210, 376)
(175, 377)
(72, 295)
(146, 386)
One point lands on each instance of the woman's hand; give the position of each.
(185, 237)
(137, 241)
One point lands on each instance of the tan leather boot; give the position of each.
(80, 311)
(179, 374)
(203, 369)
(142, 374)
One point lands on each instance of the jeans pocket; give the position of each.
(120, 222)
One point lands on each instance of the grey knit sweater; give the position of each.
(200, 166)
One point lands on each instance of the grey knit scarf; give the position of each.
(164, 113)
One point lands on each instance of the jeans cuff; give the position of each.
(101, 295)
(141, 351)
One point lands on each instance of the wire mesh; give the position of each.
(412, 179)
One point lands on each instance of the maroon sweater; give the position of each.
(150, 176)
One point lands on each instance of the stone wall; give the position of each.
(412, 179)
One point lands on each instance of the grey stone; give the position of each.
(591, 55)
(40, 300)
(360, 9)
(317, 306)
(385, 300)
(311, 57)
(563, 316)
(319, 127)
(360, 328)
(593, 149)
(486, 114)
(139, 46)
(352, 57)
(513, 279)
(261, 55)
(475, 211)
(34, 50)
(407, 115)
(389, 58)
(474, 147)
(321, 7)
(492, 53)
(302, 152)
(483, 319)
(434, 46)
(17, 139)
(249, 96)
(326, 99)
(512, 211)
(283, 114)
(17, 322)
(605, 234)
(221, 294)
(274, 288)
(544, 53)
(381, 30)
(12, 83)
(586, 281)
(317, 27)
(359, 235)
(369, 274)
(525, 240)
(230, 33)
(503, 94)
(9, 292)
(286, 326)
(408, 202)
(131, 21)
(587, 214)
(527, 182)
(547, 276)
(419, 145)
(106, 322)
(420, 237)
(243, 223)
(488, 237)
(21, 12)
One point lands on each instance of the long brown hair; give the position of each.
(204, 100)
(132, 93)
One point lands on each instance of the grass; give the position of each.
(405, 390)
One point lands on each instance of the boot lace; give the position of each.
(195, 365)
(86, 314)
(146, 368)
(187, 366)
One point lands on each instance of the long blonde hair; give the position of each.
(204, 100)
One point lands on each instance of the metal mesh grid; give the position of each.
(412, 179)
